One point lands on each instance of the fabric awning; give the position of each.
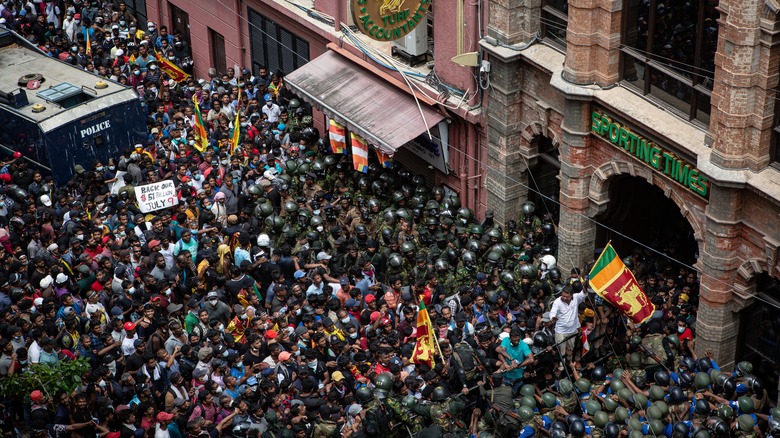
(383, 115)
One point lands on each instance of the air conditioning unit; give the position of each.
(415, 43)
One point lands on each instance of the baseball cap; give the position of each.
(546, 317)
(178, 402)
(129, 326)
(299, 274)
(370, 298)
(271, 334)
(323, 256)
(344, 281)
(61, 278)
(36, 396)
(212, 294)
(337, 376)
(163, 416)
(153, 243)
(481, 276)
(285, 355)
(46, 200)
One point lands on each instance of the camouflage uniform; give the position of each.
(414, 421)
(465, 276)
(445, 413)
(653, 344)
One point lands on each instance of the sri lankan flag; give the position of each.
(201, 135)
(338, 137)
(171, 69)
(425, 348)
(359, 152)
(614, 282)
(236, 125)
(89, 43)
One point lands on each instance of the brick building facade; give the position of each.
(707, 103)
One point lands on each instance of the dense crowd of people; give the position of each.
(280, 296)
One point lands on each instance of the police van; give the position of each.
(59, 115)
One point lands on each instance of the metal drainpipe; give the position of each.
(474, 178)
(241, 63)
(464, 174)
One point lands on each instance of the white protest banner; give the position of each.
(156, 196)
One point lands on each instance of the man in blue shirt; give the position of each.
(516, 355)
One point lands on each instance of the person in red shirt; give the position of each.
(683, 332)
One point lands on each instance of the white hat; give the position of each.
(46, 200)
(528, 341)
(120, 52)
(52, 247)
(263, 240)
(38, 302)
(61, 278)
(323, 256)
(46, 281)
(92, 308)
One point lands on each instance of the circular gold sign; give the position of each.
(388, 20)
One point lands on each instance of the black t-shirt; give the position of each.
(234, 286)
(250, 358)
(134, 362)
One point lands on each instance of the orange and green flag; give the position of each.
(236, 125)
(614, 282)
(171, 69)
(201, 135)
(425, 348)
(338, 137)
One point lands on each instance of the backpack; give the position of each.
(376, 421)
(467, 359)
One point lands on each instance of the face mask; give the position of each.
(171, 58)
(131, 290)
(102, 384)
(168, 292)
(353, 335)
(153, 68)
(298, 312)
(191, 88)
(151, 28)
(243, 316)
(80, 236)
(132, 30)
(312, 364)
(111, 167)
(268, 104)
(78, 21)
(345, 320)
(680, 329)
(244, 124)
(224, 162)
(137, 72)
(194, 230)
(99, 168)
(122, 23)
(221, 327)
(17, 338)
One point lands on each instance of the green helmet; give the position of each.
(654, 412)
(621, 414)
(292, 166)
(525, 413)
(407, 247)
(516, 241)
(635, 340)
(725, 412)
(701, 380)
(656, 427)
(468, 257)
(745, 423)
(528, 271)
(477, 229)
(293, 104)
(583, 385)
(254, 190)
(657, 393)
(528, 390)
(744, 368)
(431, 205)
(439, 393)
(316, 221)
(662, 406)
(303, 169)
(635, 424)
(529, 401)
(601, 419)
(395, 260)
(616, 374)
(318, 166)
(264, 210)
(528, 208)
(636, 434)
(275, 221)
(495, 233)
(290, 207)
(625, 394)
(610, 404)
(494, 257)
(373, 202)
(508, 277)
(549, 400)
(441, 265)
(635, 360)
(674, 340)
(364, 395)
(384, 381)
(616, 385)
(640, 400)
(745, 404)
(565, 387)
(701, 432)
(592, 406)
(330, 160)
(403, 214)
(409, 401)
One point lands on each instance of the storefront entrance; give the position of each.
(760, 333)
(640, 211)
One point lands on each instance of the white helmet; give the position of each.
(546, 263)
(263, 240)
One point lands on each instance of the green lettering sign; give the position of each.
(646, 151)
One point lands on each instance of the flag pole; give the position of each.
(435, 339)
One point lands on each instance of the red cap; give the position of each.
(17, 154)
(163, 416)
(129, 326)
(271, 334)
(374, 316)
(370, 298)
(152, 243)
(385, 321)
(36, 396)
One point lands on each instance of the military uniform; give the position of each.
(465, 276)
(653, 344)
(445, 413)
(411, 419)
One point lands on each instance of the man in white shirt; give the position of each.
(161, 428)
(272, 111)
(565, 318)
(128, 343)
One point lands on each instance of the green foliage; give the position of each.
(65, 375)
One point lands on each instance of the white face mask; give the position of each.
(153, 67)
(102, 384)
(224, 162)
(680, 329)
(312, 364)
(243, 316)
(345, 320)
(353, 335)
(131, 290)
(167, 292)
(221, 327)
(213, 302)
